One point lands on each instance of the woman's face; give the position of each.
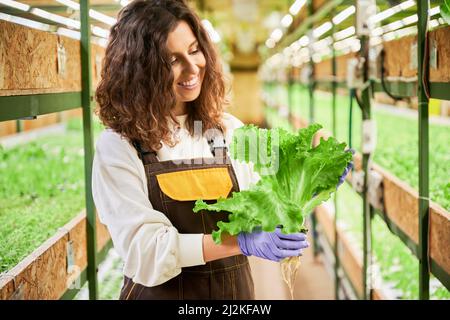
(188, 63)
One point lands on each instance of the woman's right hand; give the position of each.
(273, 246)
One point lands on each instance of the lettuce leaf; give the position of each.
(445, 11)
(301, 177)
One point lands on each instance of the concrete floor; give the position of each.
(312, 283)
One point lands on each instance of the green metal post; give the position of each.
(424, 268)
(311, 65)
(336, 240)
(311, 85)
(87, 98)
(367, 208)
(19, 125)
(290, 94)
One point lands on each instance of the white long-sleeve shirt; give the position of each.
(151, 247)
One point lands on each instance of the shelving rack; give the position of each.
(83, 242)
(328, 72)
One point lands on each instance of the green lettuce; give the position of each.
(304, 177)
(445, 11)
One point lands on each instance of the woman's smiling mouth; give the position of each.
(191, 84)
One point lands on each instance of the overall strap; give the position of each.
(147, 156)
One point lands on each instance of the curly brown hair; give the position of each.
(135, 95)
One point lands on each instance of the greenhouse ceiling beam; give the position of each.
(27, 106)
(309, 21)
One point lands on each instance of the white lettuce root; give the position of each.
(289, 268)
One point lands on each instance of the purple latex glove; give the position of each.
(347, 169)
(273, 246)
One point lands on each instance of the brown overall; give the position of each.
(173, 189)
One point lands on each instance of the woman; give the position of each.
(161, 95)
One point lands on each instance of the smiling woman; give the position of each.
(161, 74)
(188, 65)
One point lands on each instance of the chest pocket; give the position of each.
(190, 185)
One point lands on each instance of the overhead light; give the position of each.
(393, 26)
(322, 29)
(434, 11)
(399, 33)
(303, 41)
(391, 11)
(102, 17)
(124, 3)
(344, 33)
(341, 16)
(56, 18)
(287, 20)
(434, 23)
(295, 46)
(410, 20)
(15, 4)
(71, 4)
(100, 31)
(94, 14)
(270, 43)
(213, 34)
(276, 34)
(25, 22)
(69, 33)
(296, 7)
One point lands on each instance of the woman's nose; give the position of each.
(191, 66)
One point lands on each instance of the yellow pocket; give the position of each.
(189, 185)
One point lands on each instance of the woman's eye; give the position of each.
(195, 51)
(173, 61)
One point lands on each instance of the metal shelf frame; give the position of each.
(416, 88)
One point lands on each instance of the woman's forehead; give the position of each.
(181, 38)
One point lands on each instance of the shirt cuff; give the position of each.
(191, 250)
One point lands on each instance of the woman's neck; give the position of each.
(180, 109)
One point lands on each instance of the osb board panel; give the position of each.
(7, 128)
(440, 236)
(6, 290)
(401, 204)
(41, 121)
(323, 70)
(30, 65)
(97, 55)
(398, 57)
(442, 38)
(33, 274)
(341, 65)
(43, 274)
(347, 255)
